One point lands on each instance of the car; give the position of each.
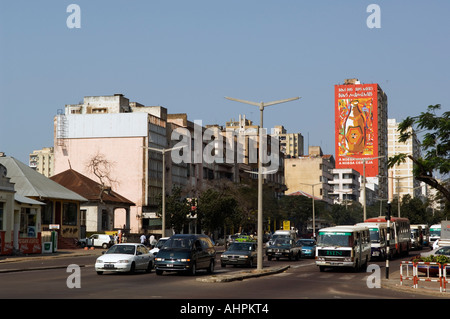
(243, 238)
(284, 247)
(125, 257)
(444, 250)
(308, 247)
(186, 253)
(158, 245)
(239, 254)
(97, 240)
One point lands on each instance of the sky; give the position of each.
(188, 55)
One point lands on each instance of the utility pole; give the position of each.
(388, 237)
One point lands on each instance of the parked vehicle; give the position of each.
(186, 253)
(158, 245)
(97, 240)
(239, 254)
(445, 251)
(284, 247)
(127, 257)
(308, 247)
(343, 246)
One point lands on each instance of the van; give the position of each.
(435, 233)
(292, 234)
(97, 240)
(186, 253)
(343, 246)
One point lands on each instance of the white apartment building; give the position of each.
(345, 185)
(401, 181)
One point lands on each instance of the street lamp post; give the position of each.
(313, 208)
(163, 151)
(261, 106)
(364, 178)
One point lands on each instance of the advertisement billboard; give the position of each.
(356, 127)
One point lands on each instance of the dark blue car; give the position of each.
(308, 247)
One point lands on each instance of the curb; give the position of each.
(241, 275)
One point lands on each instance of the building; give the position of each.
(361, 132)
(291, 144)
(40, 205)
(401, 180)
(310, 174)
(104, 210)
(43, 161)
(345, 185)
(107, 139)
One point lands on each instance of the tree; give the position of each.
(435, 144)
(101, 167)
(178, 209)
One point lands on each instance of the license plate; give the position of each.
(109, 266)
(169, 265)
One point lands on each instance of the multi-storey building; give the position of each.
(43, 161)
(345, 185)
(291, 144)
(310, 174)
(401, 180)
(361, 132)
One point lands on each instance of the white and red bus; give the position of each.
(400, 239)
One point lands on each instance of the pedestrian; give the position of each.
(151, 240)
(143, 239)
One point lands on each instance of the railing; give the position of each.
(425, 272)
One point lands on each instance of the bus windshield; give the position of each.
(435, 232)
(335, 239)
(374, 235)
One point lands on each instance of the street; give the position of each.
(302, 280)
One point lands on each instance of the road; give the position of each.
(302, 280)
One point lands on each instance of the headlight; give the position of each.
(159, 259)
(124, 261)
(185, 260)
(286, 250)
(99, 261)
(243, 257)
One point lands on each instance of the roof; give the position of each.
(30, 183)
(302, 193)
(88, 188)
(25, 200)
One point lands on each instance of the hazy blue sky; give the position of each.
(188, 55)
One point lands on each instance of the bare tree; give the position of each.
(101, 167)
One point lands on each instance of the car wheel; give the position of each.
(193, 270)
(159, 272)
(149, 267)
(99, 272)
(132, 268)
(211, 267)
(105, 245)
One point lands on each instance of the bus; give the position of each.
(378, 233)
(343, 246)
(435, 233)
(400, 239)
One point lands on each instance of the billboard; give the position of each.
(356, 127)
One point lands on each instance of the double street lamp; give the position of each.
(261, 106)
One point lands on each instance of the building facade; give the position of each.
(401, 180)
(43, 161)
(291, 144)
(345, 185)
(361, 132)
(310, 174)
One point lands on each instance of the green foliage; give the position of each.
(433, 259)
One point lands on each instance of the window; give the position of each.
(70, 214)
(1, 216)
(47, 213)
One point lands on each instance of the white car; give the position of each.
(126, 257)
(158, 245)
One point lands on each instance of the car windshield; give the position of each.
(122, 249)
(282, 241)
(178, 243)
(241, 247)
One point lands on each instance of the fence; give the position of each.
(425, 272)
